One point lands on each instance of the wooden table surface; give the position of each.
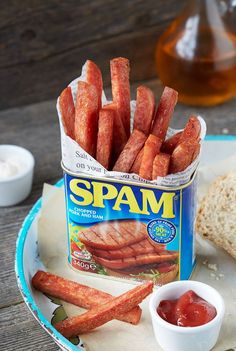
(35, 127)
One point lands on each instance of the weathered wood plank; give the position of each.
(42, 28)
(20, 331)
(44, 79)
(44, 44)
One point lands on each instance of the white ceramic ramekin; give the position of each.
(16, 188)
(175, 338)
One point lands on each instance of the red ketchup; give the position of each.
(190, 310)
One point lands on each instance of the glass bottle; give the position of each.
(196, 55)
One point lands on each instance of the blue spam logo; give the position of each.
(167, 213)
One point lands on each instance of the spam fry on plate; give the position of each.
(102, 306)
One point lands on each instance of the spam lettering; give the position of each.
(96, 193)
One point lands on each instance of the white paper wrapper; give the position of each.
(75, 159)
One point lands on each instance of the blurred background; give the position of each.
(191, 44)
(44, 43)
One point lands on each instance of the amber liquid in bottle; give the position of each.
(198, 60)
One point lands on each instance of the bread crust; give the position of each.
(216, 217)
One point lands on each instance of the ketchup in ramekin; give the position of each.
(189, 310)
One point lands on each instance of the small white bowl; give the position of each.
(16, 187)
(175, 338)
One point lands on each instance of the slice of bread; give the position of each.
(216, 218)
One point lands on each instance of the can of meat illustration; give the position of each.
(130, 230)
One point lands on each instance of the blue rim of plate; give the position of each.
(19, 269)
(226, 137)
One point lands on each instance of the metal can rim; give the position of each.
(161, 187)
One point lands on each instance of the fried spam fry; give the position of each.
(130, 151)
(196, 152)
(160, 166)
(170, 144)
(121, 89)
(164, 112)
(137, 163)
(86, 117)
(104, 313)
(79, 295)
(105, 136)
(119, 134)
(145, 106)
(67, 109)
(94, 77)
(151, 149)
(191, 131)
(182, 155)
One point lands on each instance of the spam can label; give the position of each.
(130, 230)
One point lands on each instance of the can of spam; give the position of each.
(130, 230)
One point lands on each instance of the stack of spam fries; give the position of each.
(104, 131)
(102, 307)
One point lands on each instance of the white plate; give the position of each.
(27, 260)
